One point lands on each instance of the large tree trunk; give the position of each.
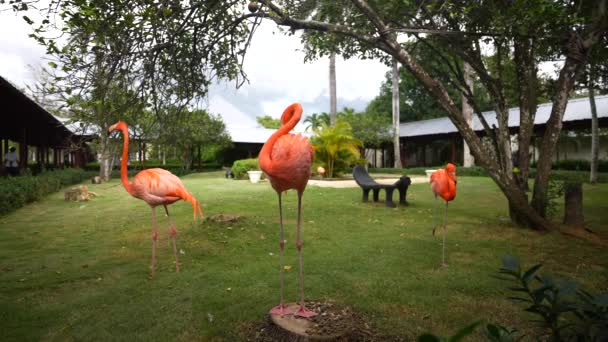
(396, 146)
(467, 113)
(526, 82)
(104, 156)
(333, 102)
(595, 141)
(553, 128)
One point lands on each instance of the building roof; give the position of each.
(22, 118)
(578, 110)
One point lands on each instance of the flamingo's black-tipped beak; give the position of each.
(112, 128)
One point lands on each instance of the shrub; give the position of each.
(577, 165)
(568, 312)
(15, 192)
(473, 171)
(240, 167)
(171, 165)
(572, 176)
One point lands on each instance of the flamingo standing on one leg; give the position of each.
(443, 183)
(155, 187)
(286, 160)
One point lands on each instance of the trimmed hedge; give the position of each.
(577, 165)
(572, 176)
(15, 192)
(473, 171)
(171, 166)
(240, 167)
(477, 171)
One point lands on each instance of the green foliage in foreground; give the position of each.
(15, 192)
(568, 312)
(79, 271)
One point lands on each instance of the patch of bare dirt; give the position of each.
(332, 320)
(224, 218)
(583, 233)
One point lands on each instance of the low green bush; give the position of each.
(473, 171)
(572, 176)
(170, 165)
(577, 165)
(15, 192)
(240, 167)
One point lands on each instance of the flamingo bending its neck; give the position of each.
(156, 187)
(286, 159)
(443, 184)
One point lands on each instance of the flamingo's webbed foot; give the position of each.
(281, 310)
(303, 312)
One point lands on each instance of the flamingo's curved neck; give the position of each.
(293, 114)
(123, 162)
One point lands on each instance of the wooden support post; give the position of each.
(23, 150)
(423, 155)
(573, 202)
(2, 151)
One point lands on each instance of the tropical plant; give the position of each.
(569, 312)
(315, 120)
(336, 145)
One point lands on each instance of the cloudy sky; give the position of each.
(275, 67)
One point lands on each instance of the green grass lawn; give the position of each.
(79, 271)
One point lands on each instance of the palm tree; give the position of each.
(332, 88)
(396, 145)
(316, 120)
(336, 144)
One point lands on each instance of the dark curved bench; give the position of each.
(367, 183)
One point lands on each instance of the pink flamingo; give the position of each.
(155, 187)
(443, 183)
(286, 159)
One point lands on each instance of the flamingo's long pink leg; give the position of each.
(302, 312)
(281, 309)
(154, 238)
(173, 233)
(443, 263)
(435, 215)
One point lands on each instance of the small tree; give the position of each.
(268, 121)
(336, 144)
(372, 129)
(188, 130)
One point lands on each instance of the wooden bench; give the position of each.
(367, 183)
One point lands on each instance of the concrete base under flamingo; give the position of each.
(300, 327)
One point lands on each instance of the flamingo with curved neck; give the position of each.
(286, 159)
(156, 187)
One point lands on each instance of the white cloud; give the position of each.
(17, 50)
